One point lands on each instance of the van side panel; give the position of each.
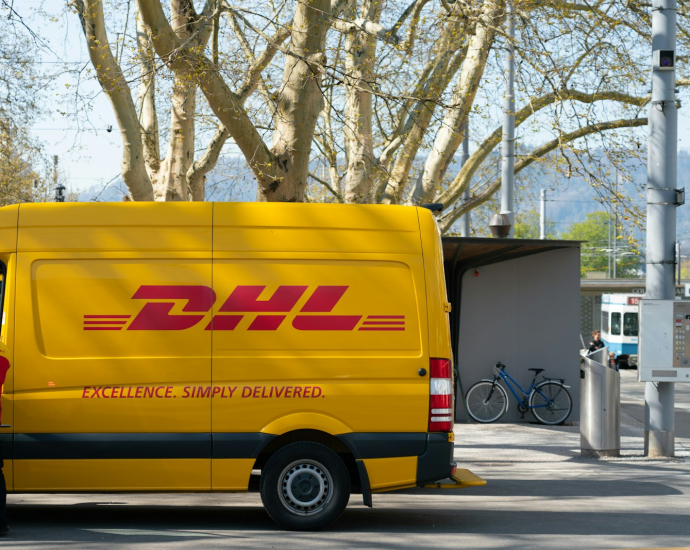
(231, 474)
(112, 475)
(331, 363)
(320, 321)
(110, 340)
(436, 294)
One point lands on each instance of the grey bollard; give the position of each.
(600, 411)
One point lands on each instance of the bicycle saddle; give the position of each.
(537, 371)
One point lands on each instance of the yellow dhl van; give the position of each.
(302, 350)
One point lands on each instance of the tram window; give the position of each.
(630, 324)
(616, 324)
(604, 321)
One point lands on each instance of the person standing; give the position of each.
(613, 362)
(596, 342)
(4, 522)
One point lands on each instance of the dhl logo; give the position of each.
(267, 314)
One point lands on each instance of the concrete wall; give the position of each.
(524, 313)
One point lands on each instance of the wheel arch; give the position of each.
(314, 436)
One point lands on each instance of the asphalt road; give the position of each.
(551, 506)
(541, 494)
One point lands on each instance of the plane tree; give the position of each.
(367, 101)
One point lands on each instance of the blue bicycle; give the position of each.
(549, 400)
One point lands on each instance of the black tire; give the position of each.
(485, 403)
(552, 408)
(305, 486)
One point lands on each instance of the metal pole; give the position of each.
(542, 215)
(659, 434)
(608, 250)
(465, 219)
(615, 226)
(55, 165)
(508, 145)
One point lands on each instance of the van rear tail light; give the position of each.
(440, 396)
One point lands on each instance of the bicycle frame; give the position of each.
(533, 387)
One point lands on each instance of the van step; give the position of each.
(461, 479)
(465, 477)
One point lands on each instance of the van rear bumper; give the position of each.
(434, 451)
(437, 462)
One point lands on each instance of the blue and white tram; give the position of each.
(620, 326)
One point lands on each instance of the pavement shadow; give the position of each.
(562, 489)
(134, 524)
(139, 525)
(513, 519)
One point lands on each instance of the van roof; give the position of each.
(385, 217)
(186, 227)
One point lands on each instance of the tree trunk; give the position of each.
(360, 60)
(299, 103)
(146, 101)
(171, 183)
(449, 57)
(451, 133)
(115, 86)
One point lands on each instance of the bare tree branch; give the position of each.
(462, 179)
(225, 104)
(450, 134)
(449, 218)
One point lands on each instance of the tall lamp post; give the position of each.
(508, 145)
(662, 199)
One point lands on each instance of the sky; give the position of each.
(90, 155)
(85, 157)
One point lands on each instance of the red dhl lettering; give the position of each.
(266, 315)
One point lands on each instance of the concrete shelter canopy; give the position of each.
(481, 251)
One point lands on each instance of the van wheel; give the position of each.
(305, 486)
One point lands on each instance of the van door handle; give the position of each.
(5, 425)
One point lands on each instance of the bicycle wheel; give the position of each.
(486, 401)
(553, 405)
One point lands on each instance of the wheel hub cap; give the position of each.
(306, 487)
